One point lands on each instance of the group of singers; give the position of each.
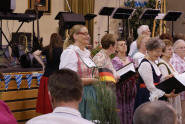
(156, 60)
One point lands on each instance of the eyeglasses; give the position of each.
(83, 33)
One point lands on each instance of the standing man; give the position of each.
(65, 91)
(142, 30)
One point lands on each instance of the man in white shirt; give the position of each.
(65, 91)
(142, 30)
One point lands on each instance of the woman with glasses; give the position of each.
(77, 58)
(178, 62)
(125, 89)
(167, 72)
(150, 75)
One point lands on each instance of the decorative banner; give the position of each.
(18, 79)
(7, 79)
(39, 75)
(138, 3)
(29, 79)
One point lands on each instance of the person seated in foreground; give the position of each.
(6, 116)
(158, 112)
(65, 91)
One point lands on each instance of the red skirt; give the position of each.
(43, 102)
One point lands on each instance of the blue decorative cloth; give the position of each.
(18, 79)
(7, 79)
(29, 79)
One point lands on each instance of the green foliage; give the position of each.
(104, 110)
(95, 51)
(135, 22)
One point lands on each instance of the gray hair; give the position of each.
(141, 29)
(158, 112)
(154, 43)
(177, 42)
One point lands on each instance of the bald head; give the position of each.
(158, 112)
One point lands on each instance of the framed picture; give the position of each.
(44, 5)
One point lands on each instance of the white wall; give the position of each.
(179, 25)
(100, 22)
(48, 24)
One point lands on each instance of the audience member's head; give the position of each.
(166, 36)
(179, 48)
(167, 51)
(107, 41)
(178, 36)
(143, 30)
(65, 86)
(158, 112)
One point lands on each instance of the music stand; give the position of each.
(149, 14)
(89, 16)
(69, 19)
(123, 13)
(172, 16)
(106, 11)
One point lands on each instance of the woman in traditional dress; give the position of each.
(125, 89)
(102, 58)
(77, 58)
(168, 71)
(150, 75)
(52, 53)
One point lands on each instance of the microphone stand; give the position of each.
(68, 5)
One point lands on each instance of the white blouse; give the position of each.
(138, 57)
(145, 71)
(164, 70)
(69, 59)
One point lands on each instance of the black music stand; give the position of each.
(149, 14)
(106, 11)
(172, 16)
(123, 13)
(89, 16)
(69, 19)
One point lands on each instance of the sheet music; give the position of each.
(126, 68)
(160, 16)
(180, 78)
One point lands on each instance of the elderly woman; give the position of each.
(102, 58)
(149, 74)
(125, 89)
(168, 71)
(77, 58)
(178, 62)
(138, 56)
